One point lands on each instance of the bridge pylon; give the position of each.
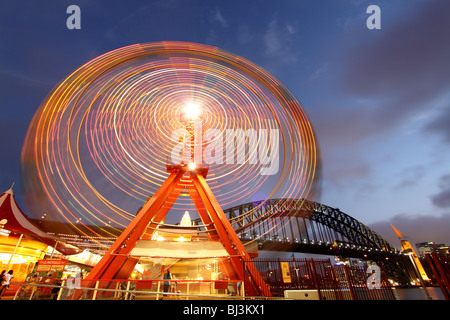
(408, 249)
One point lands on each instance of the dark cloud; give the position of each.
(410, 176)
(405, 66)
(386, 75)
(415, 228)
(386, 79)
(343, 126)
(442, 199)
(441, 125)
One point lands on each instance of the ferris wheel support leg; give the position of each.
(228, 236)
(116, 262)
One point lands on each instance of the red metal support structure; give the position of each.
(117, 262)
(314, 275)
(442, 276)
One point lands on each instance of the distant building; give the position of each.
(429, 247)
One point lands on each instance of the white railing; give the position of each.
(130, 289)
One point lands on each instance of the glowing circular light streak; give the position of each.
(99, 143)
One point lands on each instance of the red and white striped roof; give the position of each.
(13, 219)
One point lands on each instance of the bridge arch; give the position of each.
(286, 220)
(300, 225)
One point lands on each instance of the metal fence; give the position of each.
(320, 276)
(114, 289)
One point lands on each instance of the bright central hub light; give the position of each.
(191, 112)
(191, 166)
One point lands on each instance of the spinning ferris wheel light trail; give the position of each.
(99, 144)
(118, 262)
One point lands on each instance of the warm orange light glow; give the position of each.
(191, 112)
(157, 237)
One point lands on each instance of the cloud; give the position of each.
(321, 70)
(440, 125)
(218, 17)
(410, 176)
(391, 82)
(405, 66)
(442, 199)
(343, 125)
(277, 42)
(415, 228)
(272, 38)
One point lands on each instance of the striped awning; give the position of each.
(13, 219)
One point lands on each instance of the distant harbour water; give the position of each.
(418, 293)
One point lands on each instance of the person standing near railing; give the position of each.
(167, 276)
(6, 281)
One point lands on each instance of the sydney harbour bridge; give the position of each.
(298, 225)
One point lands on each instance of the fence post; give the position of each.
(314, 274)
(61, 289)
(94, 296)
(128, 289)
(17, 292)
(245, 276)
(334, 283)
(117, 293)
(159, 286)
(347, 275)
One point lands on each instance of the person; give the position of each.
(168, 276)
(2, 279)
(6, 281)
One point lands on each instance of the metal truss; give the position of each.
(286, 219)
(300, 225)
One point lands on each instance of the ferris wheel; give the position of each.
(99, 144)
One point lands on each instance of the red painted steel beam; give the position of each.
(115, 257)
(203, 188)
(116, 263)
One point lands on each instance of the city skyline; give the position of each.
(377, 98)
